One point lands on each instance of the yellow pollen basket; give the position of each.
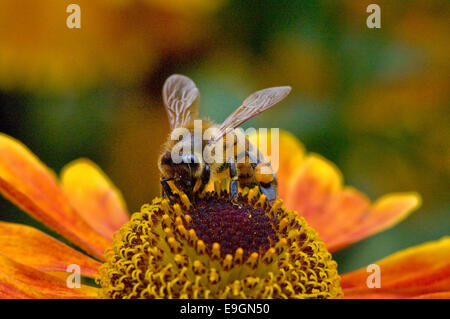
(213, 249)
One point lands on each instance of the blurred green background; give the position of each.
(374, 101)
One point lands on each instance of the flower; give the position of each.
(342, 216)
(216, 249)
(85, 208)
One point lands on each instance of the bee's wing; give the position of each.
(179, 95)
(256, 103)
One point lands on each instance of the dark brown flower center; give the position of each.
(196, 250)
(233, 226)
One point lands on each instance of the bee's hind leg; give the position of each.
(233, 180)
(268, 190)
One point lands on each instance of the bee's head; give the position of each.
(185, 169)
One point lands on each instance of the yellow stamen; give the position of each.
(160, 252)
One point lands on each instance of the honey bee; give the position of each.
(192, 170)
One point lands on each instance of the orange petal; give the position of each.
(31, 247)
(29, 184)
(291, 154)
(384, 213)
(421, 271)
(94, 196)
(436, 295)
(316, 185)
(20, 281)
(342, 215)
(381, 295)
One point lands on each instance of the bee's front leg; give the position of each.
(166, 191)
(204, 179)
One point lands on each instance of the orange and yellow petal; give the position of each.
(94, 196)
(418, 272)
(315, 186)
(19, 281)
(436, 295)
(383, 214)
(28, 183)
(341, 215)
(31, 247)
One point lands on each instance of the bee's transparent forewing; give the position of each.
(179, 95)
(256, 103)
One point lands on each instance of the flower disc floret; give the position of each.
(217, 249)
